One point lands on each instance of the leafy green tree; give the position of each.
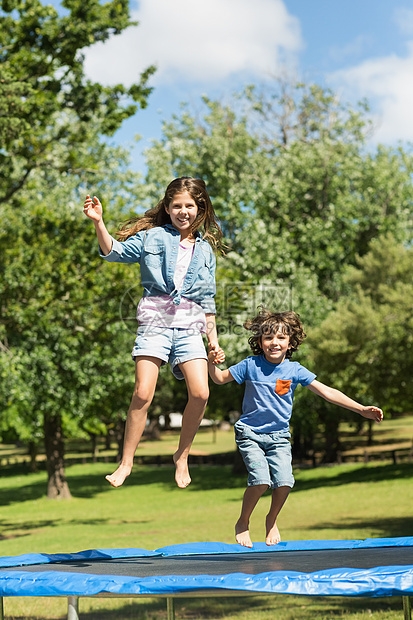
(65, 339)
(48, 109)
(300, 196)
(365, 345)
(62, 337)
(291, 178)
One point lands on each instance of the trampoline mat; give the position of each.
(249, 563)
(374, 567)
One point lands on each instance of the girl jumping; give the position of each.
(177, 266)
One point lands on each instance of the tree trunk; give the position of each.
(33, 450)
(120, 435)
(370, 433)
(153, 431)
(238, 466)
(108, 439)
(331, 439)
(95, 446)
(302, 442)
(57, 486)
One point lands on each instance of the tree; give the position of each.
(294, 169)
(48, 109)
(65, 343)
(299, 196)
(365, 345)
(59, 320)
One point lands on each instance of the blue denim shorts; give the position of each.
(267, 457)
(171, 345)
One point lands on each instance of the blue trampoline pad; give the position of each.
(373, 567)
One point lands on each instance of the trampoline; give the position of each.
(373, 568)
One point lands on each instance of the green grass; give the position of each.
(209, 441)
(149, 511)
(397, 430)
(227, 608)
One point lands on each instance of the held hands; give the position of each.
(93, 208)
(216, 355)
(373, 413)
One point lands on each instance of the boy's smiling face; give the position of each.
(275, 346)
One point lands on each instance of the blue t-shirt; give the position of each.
(269, 391)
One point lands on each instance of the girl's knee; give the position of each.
(142, 396)
(200, 396)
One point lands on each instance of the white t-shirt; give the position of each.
(182, 264)
(160, 310)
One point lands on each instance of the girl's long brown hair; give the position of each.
(157, 216)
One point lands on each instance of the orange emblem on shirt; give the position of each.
(282, 386)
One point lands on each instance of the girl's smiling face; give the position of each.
(275, 346)
(183, 211)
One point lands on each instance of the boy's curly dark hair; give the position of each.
(266, 322)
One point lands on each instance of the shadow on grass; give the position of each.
(31, 491)
(384, 528)
(23, 529)
(266, 607)
(10, 530)
(19, 469)
(361, 474)
(87, 485)
(185, 608)
(279, 606)
(204, 478)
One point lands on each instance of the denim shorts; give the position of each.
(267, 457)
(173, 345)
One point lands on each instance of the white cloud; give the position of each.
(353, 48)
(202, 41)
(387, 83)
(404, 19)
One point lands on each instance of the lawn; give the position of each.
(393, 430)
(338, 502)
(209, 440)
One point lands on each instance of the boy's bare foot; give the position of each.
(242, 535)
(273, 535)
(182, 476)
(118, 477)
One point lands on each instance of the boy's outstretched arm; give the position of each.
(338, 398)
(217, 375)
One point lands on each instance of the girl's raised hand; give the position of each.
(93, 208)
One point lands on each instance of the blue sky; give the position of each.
(361, 48)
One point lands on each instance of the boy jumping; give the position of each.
(262, 432)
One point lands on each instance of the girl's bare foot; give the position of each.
(182, 476)
(242, 535)
(273, 535)
(118, 477)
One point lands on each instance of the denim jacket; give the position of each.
(156, 251)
